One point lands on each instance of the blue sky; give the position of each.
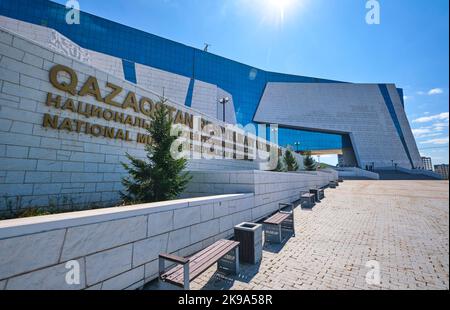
(320, 38)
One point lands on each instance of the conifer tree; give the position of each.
(160, 177)
(309, 162)
(290, 161)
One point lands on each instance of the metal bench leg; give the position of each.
(236, 261)
(161, 266)
(186, 277)
(279, 232)
(293, 225)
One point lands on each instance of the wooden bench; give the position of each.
(223, 252)
(340, 180)
(274, 225)
(308, 200)
(318, 192)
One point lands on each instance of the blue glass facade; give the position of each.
(129, 71)
(244, 82)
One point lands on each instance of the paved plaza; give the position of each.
(403, 225)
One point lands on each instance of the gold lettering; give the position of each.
(116, 90)
(96, 130)
(120, 135)
(137, 122)
(78, 125)
(109, 132)
(179, 118)
(128, 120)
(91, 87)
(146, 111)
(66, 124)
(87, 109)
(127, 136)
(119, 117)
(68, 105)
(189, 120)
(50, 121)
(66, 87)
(143, 139)
(56, 101)
(108, 115)
(96, 111)
(171, 111)
(131, 102)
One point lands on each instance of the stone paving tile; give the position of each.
(403, 225)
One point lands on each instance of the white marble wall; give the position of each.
(204, 98)
(230, 113)
(358, 109)
(115, 248)
(42, 166)
(406, 127)
(61, 44)
(173, 86)
(270, 188)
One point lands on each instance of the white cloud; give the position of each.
(405, 98)
(442, 117)
(435, 91)
(433, 130)
(440, 125)
(439, 141)
(421, 132)
(431, 92)
(427, 132)
(418, 132)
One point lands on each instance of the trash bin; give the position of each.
(250, 237)
(318, 192)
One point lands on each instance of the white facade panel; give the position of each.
(53, 166)
(356, 109)
(173, 86)
(61, 44)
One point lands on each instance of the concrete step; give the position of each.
(398, 175)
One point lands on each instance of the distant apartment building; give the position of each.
(442, 170)
(427, 163)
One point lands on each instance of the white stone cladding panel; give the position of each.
(59, 43)
(42, 166)
(270, 188)
(109, 64)
(33, 32)
(230, 113)
(358, 109)
(204, 98)
(406, 127)
(174, 86)
(113, 263)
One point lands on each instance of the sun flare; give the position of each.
(280, 6)
(275, 11)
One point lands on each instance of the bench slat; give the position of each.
(277, 219)
(193, 259)
(205, 261)
(197, 259)
(201, 261)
